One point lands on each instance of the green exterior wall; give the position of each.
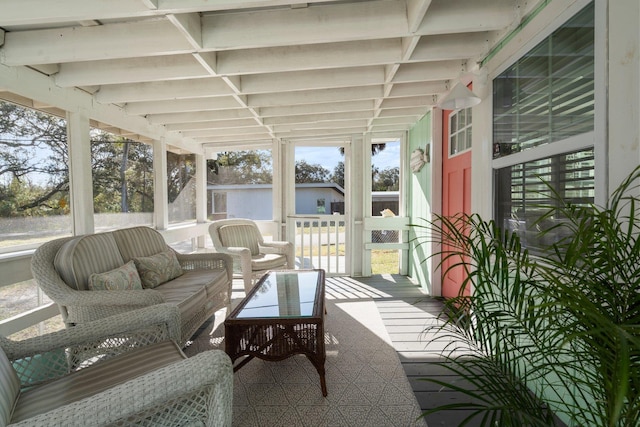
(419, 193)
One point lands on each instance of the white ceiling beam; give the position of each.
(317, 56)
(399, 112)
(315, 96)
(426, 71)
(246, 130)
(389, 128)
(275, 27)
(29, 12)
(48, 69)
(182, 105)
(451, 46)
(181, 6)
(412, 101)
(389, 121)
(199, 116)
(459, 16)
(169, 89)
(135, 70)
(243, 142)
(318, 133)
(189, 26)
(339, 124)
(319, 79)
(327, 107)
(217, 124)
(416, 9)
(150, 4)
(313, 118)
(74, 44)
(418, 88)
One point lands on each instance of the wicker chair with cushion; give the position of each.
(98, 275)
(241, 238)
(122, 370)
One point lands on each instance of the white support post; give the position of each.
(160, 192)
(356, 174)
(482, 152)
(403, 206)
(436, 195)
(287, 169)
(623, 84)
(201, 194)
(80, 176)
(278, 189)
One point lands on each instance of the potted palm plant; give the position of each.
(552, 338)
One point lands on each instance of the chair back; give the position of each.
(240, 235)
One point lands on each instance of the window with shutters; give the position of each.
(542, 105)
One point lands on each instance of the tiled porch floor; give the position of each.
(405, 311)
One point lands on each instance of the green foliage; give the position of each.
(241, 167)
(557, 335)
(387, 180)
(307, 172)
(34, 176)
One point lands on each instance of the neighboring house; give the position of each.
(255, 200)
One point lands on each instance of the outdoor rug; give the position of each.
(365, 381)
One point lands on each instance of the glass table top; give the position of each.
(283, 294)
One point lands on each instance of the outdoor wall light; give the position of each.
(458, 98)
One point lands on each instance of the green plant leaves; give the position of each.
(552, 338)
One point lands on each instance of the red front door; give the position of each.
(456, 198)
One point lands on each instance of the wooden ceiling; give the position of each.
(225, 72)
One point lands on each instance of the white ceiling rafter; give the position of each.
(240, 71)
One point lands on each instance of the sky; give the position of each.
(329, 157)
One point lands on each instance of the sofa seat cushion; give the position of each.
(83, 256)
(95, 379)
(188, 295)
(215, 283)
(123, 278)
(267, 261)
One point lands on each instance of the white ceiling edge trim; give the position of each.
(31, 84)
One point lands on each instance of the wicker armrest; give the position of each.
(132, 298)
(194, 391)
(275, 247)
(211, 261)
(66, 349)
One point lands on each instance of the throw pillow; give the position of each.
(123, 278)
(156, 269)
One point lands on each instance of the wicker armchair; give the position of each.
(241, 239)
(124, 370)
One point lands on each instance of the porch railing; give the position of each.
(320, 242)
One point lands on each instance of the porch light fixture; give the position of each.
(458, 98)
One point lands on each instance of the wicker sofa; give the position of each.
(122, 370)
(98, 275)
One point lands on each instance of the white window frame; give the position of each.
(577, 142)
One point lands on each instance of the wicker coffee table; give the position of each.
(281, 316)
